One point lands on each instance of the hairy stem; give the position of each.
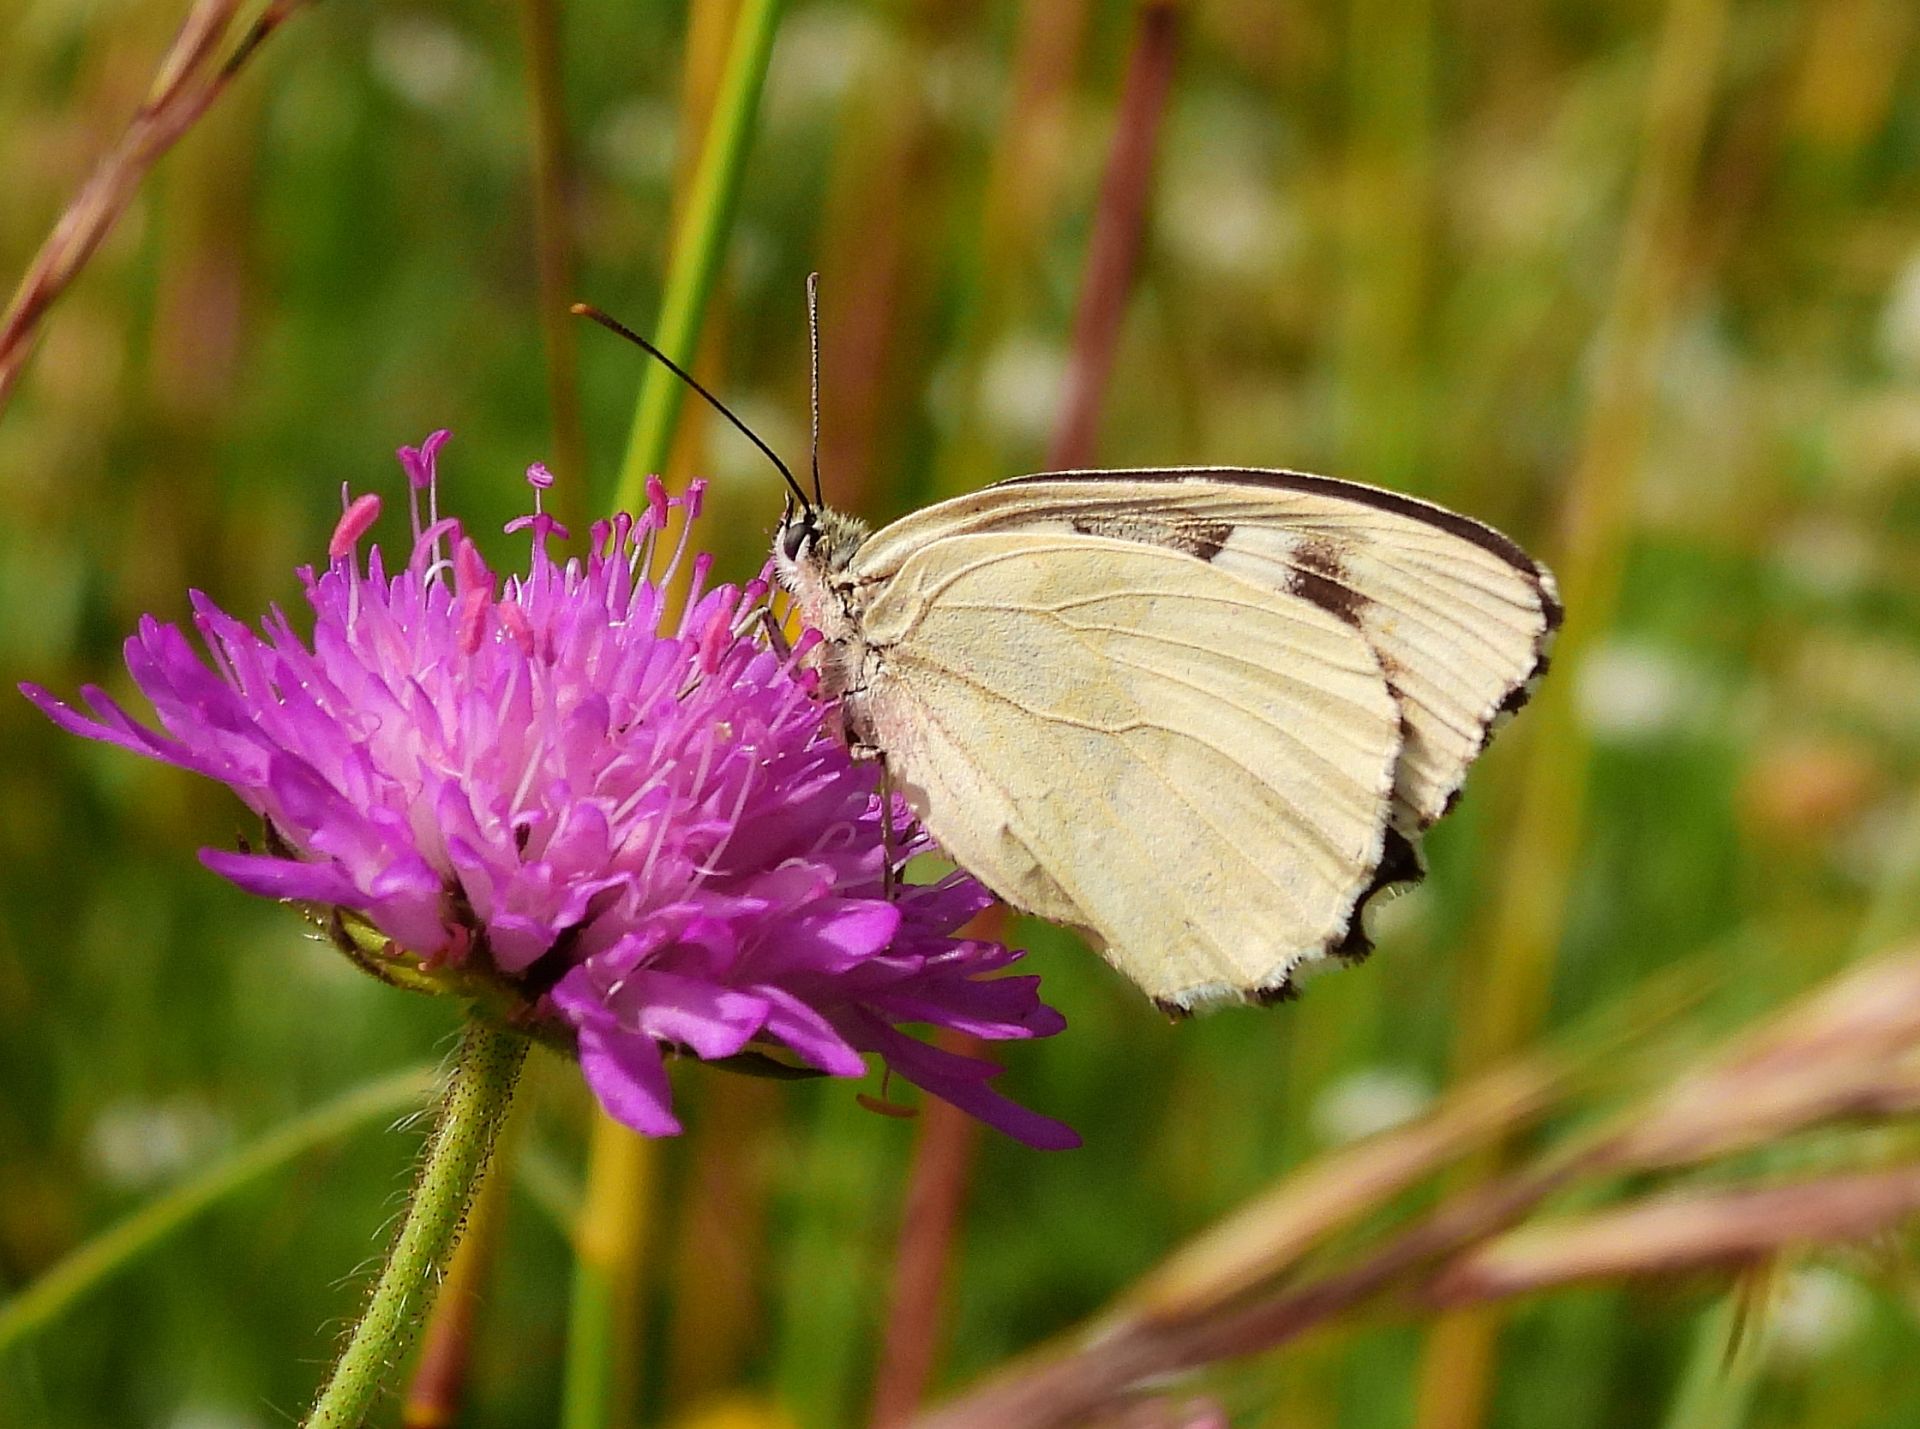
(471, 1113)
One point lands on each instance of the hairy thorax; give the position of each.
(812, 554)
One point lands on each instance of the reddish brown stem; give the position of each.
(943, 1159)
(1119, 226)
(929, 1225)
(191, 77)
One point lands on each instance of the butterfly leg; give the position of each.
(888, 876)
(776, 634)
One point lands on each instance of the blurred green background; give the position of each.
(1464, 249)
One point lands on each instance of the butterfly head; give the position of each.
(813, 544)
(811, 552)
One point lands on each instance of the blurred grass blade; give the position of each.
(931, 1216)
(1724, 1362)
(1269, 1235)
(1663, 1235)
(832, 1250)
(553, 253)
(1505, 999)
(1119, 230)
(1386, 216)
(121, 1246)
(602, 1375)
(699, 245)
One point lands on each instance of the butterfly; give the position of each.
(1203, 715)
(1200, 715)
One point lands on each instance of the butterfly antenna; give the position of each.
(813, 353)
(614, 325)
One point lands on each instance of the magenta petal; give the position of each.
(626, 1074)
(810, 1035)
(518, 942)
(961, 1081)
(839, 937)
(284, 878)
(713, 1021)
(115, 726)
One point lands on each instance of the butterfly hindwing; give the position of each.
(1191, 767)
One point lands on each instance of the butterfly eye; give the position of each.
(796, 537)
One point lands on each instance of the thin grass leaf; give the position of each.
(123, 1245)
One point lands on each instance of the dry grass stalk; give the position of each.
(1848, 1051)
(1270, 1235)
(1119, 229)
(213, 45)
(1664, 1235)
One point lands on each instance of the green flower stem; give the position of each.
(471, 1114)
(124, 1244)
(699, 245)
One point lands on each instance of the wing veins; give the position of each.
(1216, 950)
(1134, 726)
(1237, 658)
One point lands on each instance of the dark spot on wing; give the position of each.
(1399, 864)
(1205, 539)
(1319, 577)
(1320, 558)
(1172, 1010)
(1202, 539)
(1465, 527)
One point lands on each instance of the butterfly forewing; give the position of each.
(1192, 767)
(1458, 617)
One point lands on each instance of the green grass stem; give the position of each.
(700, 245)
(611, 1236)
(124, 1245)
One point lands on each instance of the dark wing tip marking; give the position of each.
(1478, 533)
(1516, 698)
(1518, 695)
(1274, 993)
(1400, 865)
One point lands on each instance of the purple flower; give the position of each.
(629, 832)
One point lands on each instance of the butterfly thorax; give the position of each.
(812, 553)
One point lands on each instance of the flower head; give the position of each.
(628, 831)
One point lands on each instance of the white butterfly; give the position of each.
(1201, 715)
